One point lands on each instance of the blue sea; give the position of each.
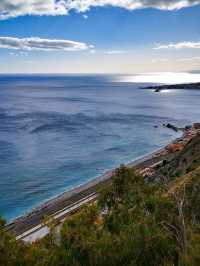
(57, 132)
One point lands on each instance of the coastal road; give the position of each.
(30, 227)
(62, 205)
(42, 230)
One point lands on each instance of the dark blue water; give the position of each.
(59, 132)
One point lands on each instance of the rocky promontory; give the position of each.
(189, 86)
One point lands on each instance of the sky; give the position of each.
(99, 36)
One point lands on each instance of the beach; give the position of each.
(66, 200)
(72, 142)
(31, 227)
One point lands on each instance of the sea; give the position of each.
(60, 131)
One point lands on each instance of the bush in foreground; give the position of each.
(134, 223)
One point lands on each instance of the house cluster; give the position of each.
(179, 144)
(147, 172)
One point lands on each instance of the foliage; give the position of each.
(134, 223)
(184, 162)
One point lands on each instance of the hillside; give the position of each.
(183, 162)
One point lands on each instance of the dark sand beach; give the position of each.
(49, 208)
(77, 195)
(73, 197)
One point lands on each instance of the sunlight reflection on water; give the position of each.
(165, 78)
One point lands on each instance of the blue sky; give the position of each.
(106, 39)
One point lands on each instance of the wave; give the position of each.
(7, 151)
(38, 122)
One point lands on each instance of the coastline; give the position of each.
(185, 86)
(31, 227)
(54, 205)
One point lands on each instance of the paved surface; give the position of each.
(42, 230)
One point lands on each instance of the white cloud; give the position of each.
(160, 60)
(22, 53)
(190, 59)
(179, 45)
(92, 51)
(35, 43)
(14, 8)
(112, 52)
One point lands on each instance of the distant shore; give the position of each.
(189, 86)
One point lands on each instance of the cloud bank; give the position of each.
(113, 52)
(179, 45)
(190, 59)
(14, 8)
(38, 44)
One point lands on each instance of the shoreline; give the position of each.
(31, 226)
(54, 205)
(94, 180)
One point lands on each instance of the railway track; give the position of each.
(41, 230)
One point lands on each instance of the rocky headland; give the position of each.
(189, 86)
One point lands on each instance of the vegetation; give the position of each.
(184, 162)
(135, 222)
